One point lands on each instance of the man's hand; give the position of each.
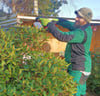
(51, 25)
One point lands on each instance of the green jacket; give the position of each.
(78, 44)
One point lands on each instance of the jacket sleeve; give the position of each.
(66, 24)
(76, 36)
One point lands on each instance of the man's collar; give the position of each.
(85, 26)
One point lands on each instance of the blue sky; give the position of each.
(68, 10)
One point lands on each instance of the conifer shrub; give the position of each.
(27, 70)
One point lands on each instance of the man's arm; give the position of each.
(66, 24)
(75, 36)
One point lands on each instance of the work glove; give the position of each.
(51, 25)
(45, 21)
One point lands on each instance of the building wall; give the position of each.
(95, 44)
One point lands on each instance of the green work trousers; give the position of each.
(80, 79)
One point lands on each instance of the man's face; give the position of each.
(79, 21)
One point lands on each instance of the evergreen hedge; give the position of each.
(27, 70)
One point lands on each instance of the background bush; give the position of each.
(26, 70)
(94, 79)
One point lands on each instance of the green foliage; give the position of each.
(94, 79)
(26, 70)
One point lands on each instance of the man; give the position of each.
(78, 44)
